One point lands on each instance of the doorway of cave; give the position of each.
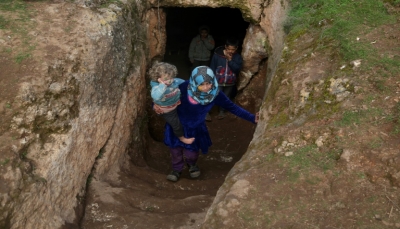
(183, 204)
(182, 25)
(149, 199)
(228, 144)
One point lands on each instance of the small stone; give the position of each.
(355, 63)
(55, 88)
(290, 153)
(346, 155)
(319, 142)
(387, 223)
(290, 144)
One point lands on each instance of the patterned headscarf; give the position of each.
(199, 75)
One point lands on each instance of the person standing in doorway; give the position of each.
(200, 51)
(226, 64)
(198, 95)
(200, 48)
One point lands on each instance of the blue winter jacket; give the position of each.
(226, 76)
(164, 95)
(192, 117)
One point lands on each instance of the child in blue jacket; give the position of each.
(226, 64)
(165, 93)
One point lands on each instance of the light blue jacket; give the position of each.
(164, 95)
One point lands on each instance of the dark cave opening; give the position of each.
(182, 25)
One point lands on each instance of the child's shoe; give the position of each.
(194, 171)
(174, 176)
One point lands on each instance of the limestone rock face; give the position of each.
(252, 80)
(156, 20)
(225, 204)
(251, 9)
(79, 105)
(255, 50)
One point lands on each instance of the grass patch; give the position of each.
(375, 143)
(5, 162)
(108, 2)
(395, 118)
(22, 56)
(12, 5)
(340, 22)
(15, 20)
(374, 116)
(3, 22)
(310, 158)
(350, 118)
(23, 155)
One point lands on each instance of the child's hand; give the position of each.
(257, 118)
(157, 109)
(166, 82)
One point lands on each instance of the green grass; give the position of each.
(3, 22)
(376, 143)
(12, 5)
(22, 56)
(5, 162)
(309, 158)
(350, 118)
(23, 154)
(15, 20)
(340, 22)
(395, 118)
(375, 116)
(108, 2)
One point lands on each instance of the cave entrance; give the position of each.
(186, 201)
(182, 25)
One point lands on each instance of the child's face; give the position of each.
(205, 87)
(166, 79)
(230, 50)
(203, 33)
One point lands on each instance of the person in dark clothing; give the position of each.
(200, 48)
(198, 95)
(226, 64)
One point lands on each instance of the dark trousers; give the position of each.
(172, 119)
(228, 91)
(179, 155)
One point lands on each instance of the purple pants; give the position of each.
(179, 155)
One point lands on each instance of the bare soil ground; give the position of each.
(147, 199)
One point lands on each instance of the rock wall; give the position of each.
(78, 107)
(236, 188)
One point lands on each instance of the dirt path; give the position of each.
(143, 198)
